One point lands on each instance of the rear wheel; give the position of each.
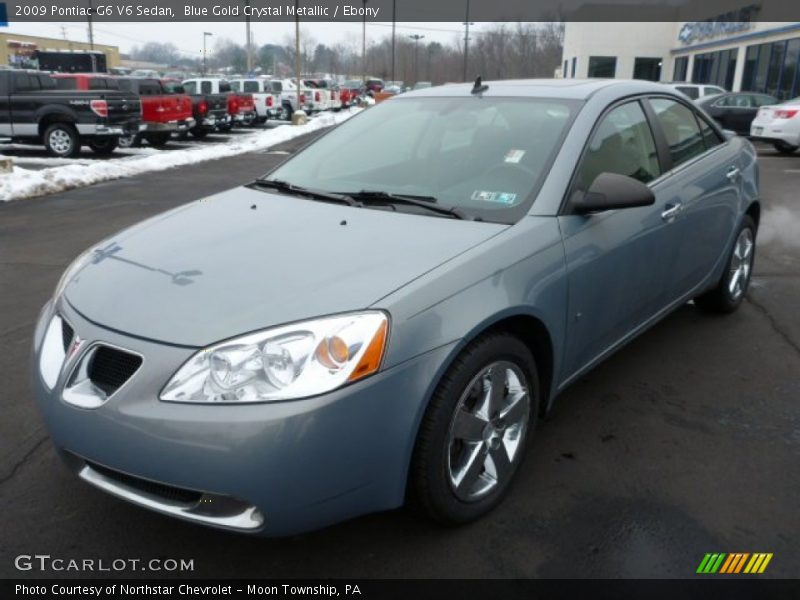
(731, 290)
(784, 147)
(473, 436)
(158, 139)
(62, 140)
(286, 112)
(104, 145)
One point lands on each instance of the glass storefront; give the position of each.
(716, 68)
(681, 68)
(771, 68)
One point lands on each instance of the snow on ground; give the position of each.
(68, 174)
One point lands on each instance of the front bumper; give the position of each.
(300, 464)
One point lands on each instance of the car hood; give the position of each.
(247, 259)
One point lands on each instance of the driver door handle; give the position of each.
(733, 173)
(671, 211)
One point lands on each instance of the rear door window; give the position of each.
(98, 83)
(681, 130)
(66, 83)
(689, 91)
(251, 87)
(224, 87)
(190, 87)
(205, 87)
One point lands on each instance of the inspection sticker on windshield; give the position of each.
(514, 156)
(497, 197)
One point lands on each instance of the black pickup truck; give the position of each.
(33, 110)
(210, 111)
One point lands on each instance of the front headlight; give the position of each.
(283, 363)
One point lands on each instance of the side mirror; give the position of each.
(611, 191)
(729, 134)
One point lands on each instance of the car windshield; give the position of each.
(486, 157)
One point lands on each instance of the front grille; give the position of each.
(165, 492)
(66, 334)
(110, 368)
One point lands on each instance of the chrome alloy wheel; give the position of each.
(487, 430)
(60, 141)
(741, 264)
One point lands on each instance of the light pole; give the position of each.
(297, 50)
(466, 41)
(394, 23)
(364, 45)
(416, 37)
(91, 29)
(205, 35)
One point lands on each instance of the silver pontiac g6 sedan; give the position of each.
(354, 330)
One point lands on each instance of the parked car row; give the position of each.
(65, 111)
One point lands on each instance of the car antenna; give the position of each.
(478, 88)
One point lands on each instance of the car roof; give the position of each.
(577, 89)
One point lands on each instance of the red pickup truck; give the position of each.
(162, 113)
(241, 108)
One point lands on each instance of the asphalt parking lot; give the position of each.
(685, 442)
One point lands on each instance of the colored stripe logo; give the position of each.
(734, 563)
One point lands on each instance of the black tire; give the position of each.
(62, 140)
(784, 148)
(199, 133)
(158, 139)
(722, 299)
(226, 127)
(286, 112)
(104, 145)
(430, 489)
(130, 141)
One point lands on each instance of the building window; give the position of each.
(574, 63)
(680, 68)
(647, 68)
(602, 66)
(716, 68)
(771, 68)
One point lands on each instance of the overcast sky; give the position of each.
(188, 37)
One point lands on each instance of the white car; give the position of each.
(780, 125)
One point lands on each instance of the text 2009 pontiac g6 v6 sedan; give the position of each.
(355, 330)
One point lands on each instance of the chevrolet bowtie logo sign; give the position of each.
(735, 563)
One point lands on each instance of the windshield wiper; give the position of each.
(290, 188)
(427, 202)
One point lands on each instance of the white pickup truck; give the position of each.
(288, 93)
(241, 107)
(268, 103)
(332, 99)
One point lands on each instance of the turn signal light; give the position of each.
(371, 361)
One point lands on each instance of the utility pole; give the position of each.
(394, 23)
(416, 37)
(91, 29)
(466, 41)
(63, 32)
(297, 50)
(205, 35)
(249, 53)
(364, 45)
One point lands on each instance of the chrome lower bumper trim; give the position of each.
(210, 509)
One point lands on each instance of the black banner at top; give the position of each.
(710, 11)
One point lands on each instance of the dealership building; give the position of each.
(744, 55)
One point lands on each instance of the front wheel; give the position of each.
(62, 140)
(784, 147)
(473, 436)
(104, 145)
(731, 290)
(130, 141)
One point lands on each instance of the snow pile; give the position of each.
(25, 183)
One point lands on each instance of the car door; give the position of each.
(741, 112)
(703, 185)
(617, 260)
(24, 105)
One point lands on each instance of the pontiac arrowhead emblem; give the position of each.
(76, 345)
